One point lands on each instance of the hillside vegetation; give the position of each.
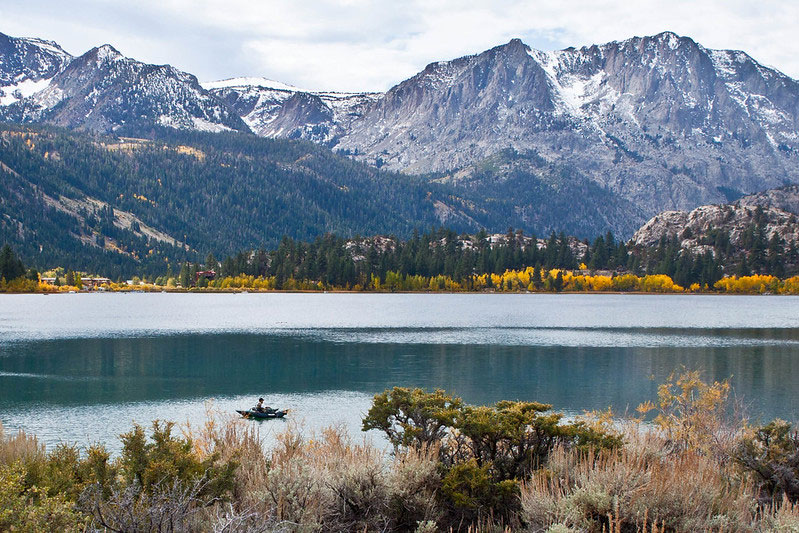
(128, 206)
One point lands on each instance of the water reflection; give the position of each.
(763, 365)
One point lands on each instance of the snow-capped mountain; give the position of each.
(27, 66)
(102, 90)
(660, 120)
(274, 109)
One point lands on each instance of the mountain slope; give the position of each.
(104, 91)
(27, 65)
(660, 121)
(121, 202)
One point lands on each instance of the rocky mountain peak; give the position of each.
(104, 53)
(102, 90)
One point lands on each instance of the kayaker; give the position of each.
(260, 405)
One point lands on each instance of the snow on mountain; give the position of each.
(264, 83)
(661, 121)
(27, 65)
(274, 109)
(102, 90)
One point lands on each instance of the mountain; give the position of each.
(104, 91)
(577, 140)
(27, 66)
(274, 109)
(660, 121)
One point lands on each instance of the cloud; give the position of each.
(373, 44)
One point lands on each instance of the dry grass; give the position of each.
(19, 447)
(332, 482)
(642, 487)
(323, 482)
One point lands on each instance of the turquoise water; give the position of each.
(81, 367)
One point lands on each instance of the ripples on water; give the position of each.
(80, 368)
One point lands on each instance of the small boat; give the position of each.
(269, 413)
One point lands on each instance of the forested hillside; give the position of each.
(124, 206)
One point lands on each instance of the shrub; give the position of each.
(412, 417)
(771, 453)
(168, 507)
(19, 447)
(694, 415)
(168, 458)
(31, 509)
(470, 494)
(639, 490)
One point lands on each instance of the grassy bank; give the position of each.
(514, 466)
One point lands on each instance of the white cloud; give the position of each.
(371, 45)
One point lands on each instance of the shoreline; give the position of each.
(281, 291)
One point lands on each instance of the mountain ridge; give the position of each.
(580, 139)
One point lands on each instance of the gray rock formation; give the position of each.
(660, 121)
(785, 198)
(698, 229)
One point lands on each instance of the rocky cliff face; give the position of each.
(660, 121)
(770, 213)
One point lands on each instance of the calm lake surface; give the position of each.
(82, 367)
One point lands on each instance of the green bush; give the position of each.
(484, 451)
(412, 417)
(771, 453)
(31, 508)
(470, 494)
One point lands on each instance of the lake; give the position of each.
(80, 368)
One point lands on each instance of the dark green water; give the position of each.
(118, 358)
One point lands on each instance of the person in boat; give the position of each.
(260, 406)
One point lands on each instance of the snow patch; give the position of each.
(250, 82)
(108, 53)
(723, 62)
(13, 93)
(574, 91)
(201, 124)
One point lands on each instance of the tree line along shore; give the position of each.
(441, 260)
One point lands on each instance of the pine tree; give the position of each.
(11, 266)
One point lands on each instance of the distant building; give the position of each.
(210, 275)
(93, 283)
(88, 282)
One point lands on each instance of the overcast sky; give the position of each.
(371, 45)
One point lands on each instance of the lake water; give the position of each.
(81, 367)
